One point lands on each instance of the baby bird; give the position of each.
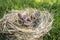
(27, 18)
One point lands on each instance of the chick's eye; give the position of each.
(32, 17)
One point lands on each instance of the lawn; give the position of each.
(52, 5)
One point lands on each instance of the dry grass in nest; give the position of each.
(27, 24)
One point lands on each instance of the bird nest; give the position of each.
(27, 24)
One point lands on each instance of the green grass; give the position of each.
(52, 5)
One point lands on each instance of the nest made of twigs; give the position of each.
(27, 24)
